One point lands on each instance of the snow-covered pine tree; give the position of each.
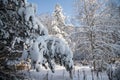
(59, 17)
(59, 27)
(23, 37)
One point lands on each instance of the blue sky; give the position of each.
(47, 6)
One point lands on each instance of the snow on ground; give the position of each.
(79, 73)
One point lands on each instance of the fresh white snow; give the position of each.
(79, 73)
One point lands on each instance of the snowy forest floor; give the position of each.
(79, 73)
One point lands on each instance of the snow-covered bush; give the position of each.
(113, 72)
(116, 73)
(51, 50)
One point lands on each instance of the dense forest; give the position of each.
(85, 46)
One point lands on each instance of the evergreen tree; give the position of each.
(23, 37)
